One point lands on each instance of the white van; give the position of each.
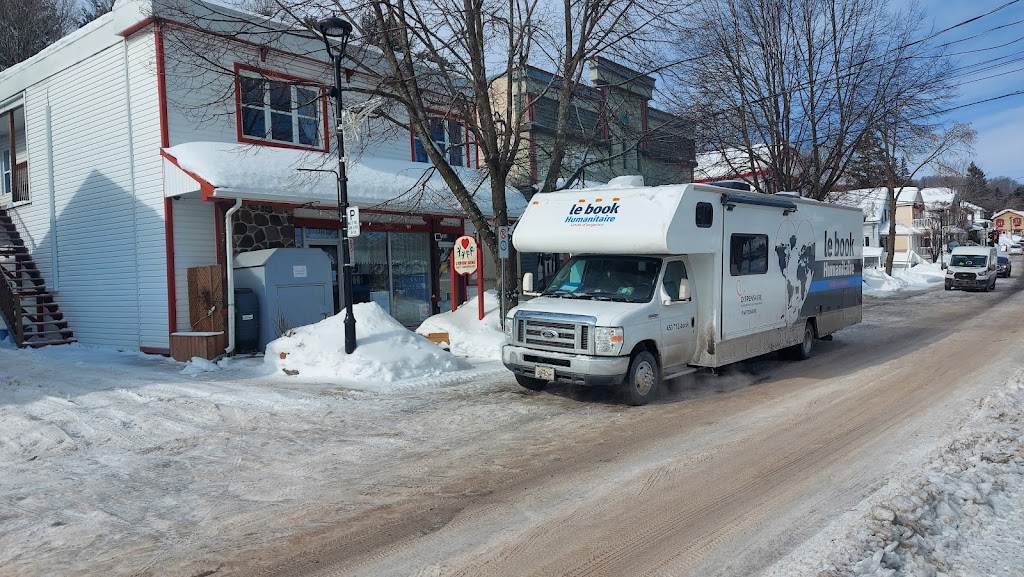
(972, 267)
(665, 280)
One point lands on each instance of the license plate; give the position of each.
(544, 373)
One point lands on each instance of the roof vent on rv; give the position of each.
(788, 193)
(733, 184)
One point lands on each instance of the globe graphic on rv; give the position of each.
(795, 249)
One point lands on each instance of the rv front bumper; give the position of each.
(580, 369)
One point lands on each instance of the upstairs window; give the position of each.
(448, 137)
(282, 112)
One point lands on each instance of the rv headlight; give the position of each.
(510, 323)
(608, 340)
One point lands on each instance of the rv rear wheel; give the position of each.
(642, 379)
(531, 383)
(802, 351)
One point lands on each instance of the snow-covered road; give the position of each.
(119, 464)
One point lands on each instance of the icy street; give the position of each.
(898, 449)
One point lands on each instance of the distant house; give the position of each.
(1009, 221)
(612, 129)
(910, 243)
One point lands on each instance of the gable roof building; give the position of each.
(134, 160)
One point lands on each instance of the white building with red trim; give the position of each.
(131, 139)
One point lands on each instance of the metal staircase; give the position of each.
(30, 312)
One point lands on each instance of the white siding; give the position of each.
(195, 244)
(95, 208)
(202, 101)
(149, 194)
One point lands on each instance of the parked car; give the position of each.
(1003, 267)
(1016, 248)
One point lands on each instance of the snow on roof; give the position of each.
(728, 163)
(1007, 211)
(902, 229)
(277, 175)
(938, 197)
(873, 200)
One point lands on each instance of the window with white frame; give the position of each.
(279, 111)
(6, 174)
(448, 136)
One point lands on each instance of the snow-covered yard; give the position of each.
(118, 463)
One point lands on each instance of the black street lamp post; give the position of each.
(334, 27)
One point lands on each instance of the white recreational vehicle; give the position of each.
(665, 280)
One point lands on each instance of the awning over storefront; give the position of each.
(281, 175)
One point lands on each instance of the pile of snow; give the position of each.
(920, 277)
(385, 351)
(468, 336)
(973, 487)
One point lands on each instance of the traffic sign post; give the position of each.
(352, 221)
(504, 238)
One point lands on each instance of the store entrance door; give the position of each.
(331, 249)
(395, 267)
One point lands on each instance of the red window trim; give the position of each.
(1000, 222)
(270, 74)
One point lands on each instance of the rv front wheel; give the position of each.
(642, 380)
(531, 383)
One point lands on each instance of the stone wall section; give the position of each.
(258, 227)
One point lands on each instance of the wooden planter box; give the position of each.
(208, 345)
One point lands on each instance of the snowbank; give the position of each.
(468, 336)
(385, 351)
(973, 485)
(920, 277)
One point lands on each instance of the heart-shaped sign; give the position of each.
(465, 243)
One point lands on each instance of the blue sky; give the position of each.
(1000, 123)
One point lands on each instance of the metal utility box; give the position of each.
(292, 285)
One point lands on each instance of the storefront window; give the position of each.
(392, 270)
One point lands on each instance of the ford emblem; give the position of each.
(549, 334)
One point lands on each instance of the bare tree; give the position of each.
(93, 9)
(28, 26)
(794, 84)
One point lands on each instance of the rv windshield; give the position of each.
(600, 277)
(969, 260)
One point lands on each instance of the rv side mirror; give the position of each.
(528, 282)
(684, 290)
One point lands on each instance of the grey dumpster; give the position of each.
(292, 286)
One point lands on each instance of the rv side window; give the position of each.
(705, 215)
(748, 254)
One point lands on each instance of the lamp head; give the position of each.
(334, 27)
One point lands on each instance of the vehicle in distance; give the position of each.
(1003, 267)
(1016, 248)
(972, 267)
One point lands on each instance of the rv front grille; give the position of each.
(554, 334)
(965, 276)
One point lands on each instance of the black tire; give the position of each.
(948, 288)
(803, 351)
(642, 380)
(531, 383)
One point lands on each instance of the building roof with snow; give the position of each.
(873, 201)
(731, 163)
